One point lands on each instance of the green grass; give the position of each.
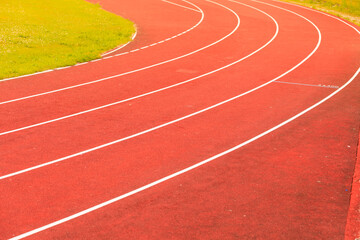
(346, 9)
(36, 35)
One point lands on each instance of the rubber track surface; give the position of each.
(275, 83)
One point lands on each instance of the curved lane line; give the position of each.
(116, 55)
(120, 47)
(187, 116)
(138, 96)
(318, 11)
(126, 73)
(149, 130)
(193, 166)
(190, 115)
(182, 171)
(180, 5)
(133, 37)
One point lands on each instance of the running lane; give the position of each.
(169, 22)
(53, 105)
(138, 115)
(288, 176)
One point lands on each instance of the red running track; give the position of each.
(245, 126)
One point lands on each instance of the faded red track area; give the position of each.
(242, 124)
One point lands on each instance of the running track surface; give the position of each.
(244, 122)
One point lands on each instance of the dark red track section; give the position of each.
(293, 183)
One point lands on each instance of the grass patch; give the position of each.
(346, 9)
(36, 35)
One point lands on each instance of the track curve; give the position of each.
(298, 100)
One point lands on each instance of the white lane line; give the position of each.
(96, 207)
(193, 114)
(108, 57)
(120, 47)
(126, 73)
(151, 129)
(118, 75)
(37, 230)
(308, 85)
(115, 49)
(78, 64)
(318, 11)
(134, 36)
(145, 94)
(190, 115)
(61, 68)
(116, 55)
(181, 5)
